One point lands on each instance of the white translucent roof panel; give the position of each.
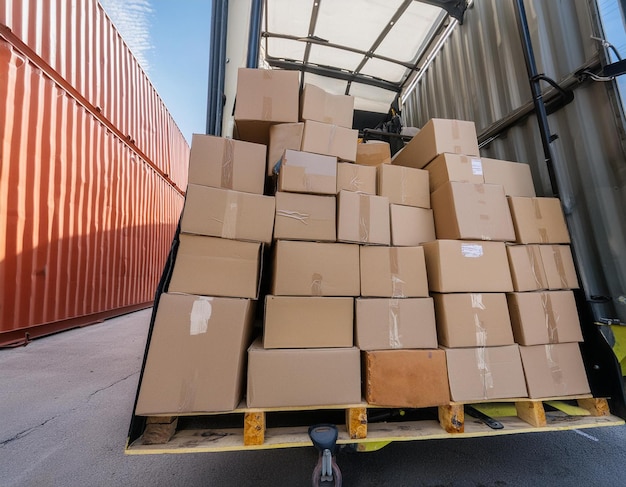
(328, 56)
(289, 17)
(285, 49)
(370, 98)
(331, 85)
(385, 70)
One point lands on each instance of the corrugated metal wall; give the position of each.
(87, 214)
(480, 75)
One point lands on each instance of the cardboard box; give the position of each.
(214, 266)
(460, 267)
(404, 185)
(454, 167)
(316, 269)
(373, 153)
(393, 272)
(406, 378)
(305, 217)
(363, 218)
(558, 265)
(283, 136)
(303, 377)
(526, 267)
(210, 336)
(473, 320)
(265, 97)
(396, 323)
(304, 172)
(331, 140)
(485, 373)
(554, 370)
(228, 214)
(411, 226)
(227, 163)
(320, 106)
(308, 322)
(468, 211)
(514, 176)
(354, 177)
(544, 317)
(538, 220)
(437, 137)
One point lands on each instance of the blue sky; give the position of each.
(171, 41)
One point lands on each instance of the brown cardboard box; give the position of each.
(411, 226)
(320, 106)
(554, 370)
(373, 153)
(331, 140)
(283, 136)
(459, 267)
(526, 267)
(538, 220)
(363, 218)
(214, 266)
(305, 217)
(473, 320)
(514, 176)
(228, 214)
(558, 264)
(454, 167)
(485, 373)
(544, 317)
(303, 377)
(393, 272)
(386, 324)
(354, 177)
(406, 378)
(316, 269)
(265, 97)
(227, 163)
(308, 322)
(438, 136)
(404, 185)
(208, 372)
(304, 172)
(469, 211)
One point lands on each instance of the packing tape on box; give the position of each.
(227, 164)
(331, 139)
(394, 324)
(316, 284)
(543, 235)
(481, 332)
(267, 73)
(397, 284)
(553, 364)
(534, 258)
(296, 215)
(188, 390)
(266, 110)
(560, 268)
(456, 135)
(355, 183)
(364, 218)
(551, 318)
(543, 231)
(201, 312)
(482, 360)
(404, 194)
(477, 301)
(231, 212)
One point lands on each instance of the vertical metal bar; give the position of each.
(217, 67)
(254, 34)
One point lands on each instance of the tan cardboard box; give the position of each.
(354, 177)
(396, 323)
(558, 264)
(544, 317)
(404, 185)
(227, 163)
(373, 153)
(304, 172)
(454, 167)
(514, 176)
(406, 378)
(212, 335)
(438, 136)
(228, 214)
(459, 267)
(315, 269)
(393, 272)
(363, 218)
(411, 226)
(473, 320)
(538, 220)
(331, 140)
(526, 267)
(303, 377)
(485, 373)
(283, 136)
(305, 217)
(320, 106)
(467, 211)
(554, 370)
(265, 97)
(214, 266)
(308, 322)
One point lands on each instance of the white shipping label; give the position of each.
(200, 315)
(473, 251)
(477, 167)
